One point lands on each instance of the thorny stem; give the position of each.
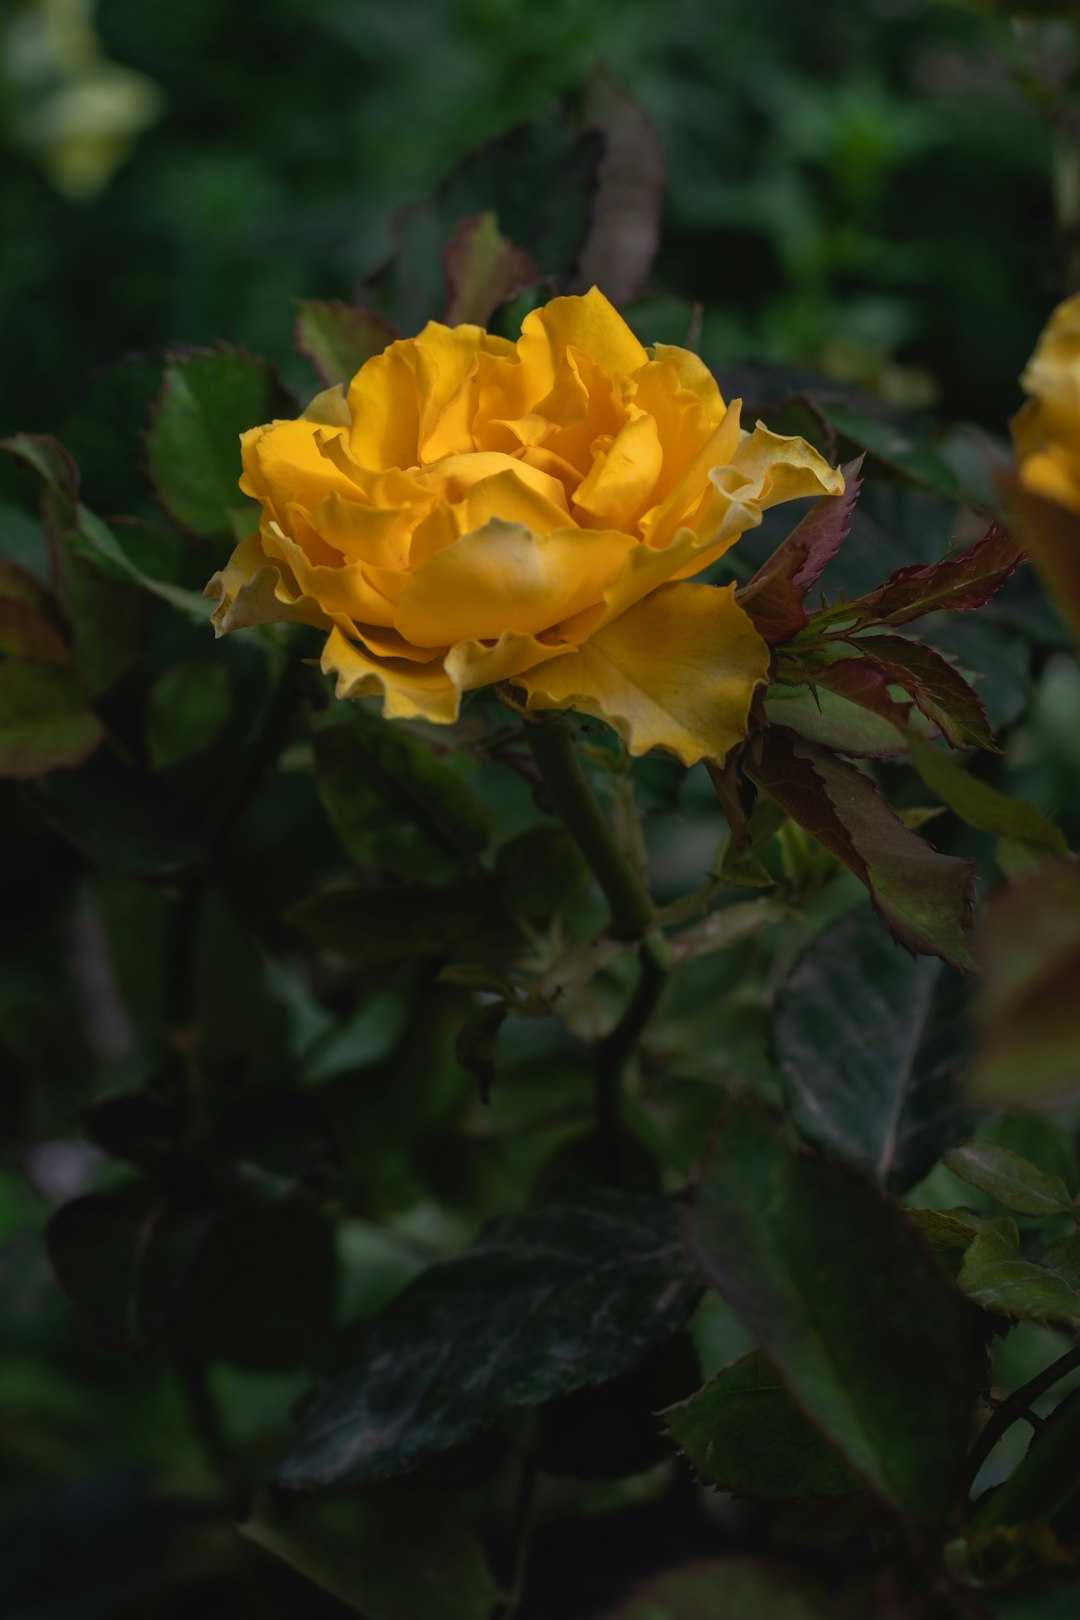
(573, 800)
(616, 1049)
(1017, 1407)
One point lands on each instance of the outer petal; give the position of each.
(784, 469)
(677, 671)
(470, 664)
(589, 323)
(409, 691)
(504, 577)
(256, 589)
(285, 461)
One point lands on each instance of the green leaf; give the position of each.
(208, 399)
(744, 1433)
(872, 1044)
(393, 802)
(338, 338)
(834, 1286)
(1029, 1012)
(997, 1277)
(833, 720)
(483, 270)
(938, 689)
(1010, 1180)
(774, 596)
(45, 720)
(391, 1554)
(188, 707)
(892, 444)
(923, 898)
(1045, 1483)
(730, 1589)
(564, 1296)
(25, 634)
(980, 805)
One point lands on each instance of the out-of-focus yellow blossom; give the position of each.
(1046, 435)
(479, 511)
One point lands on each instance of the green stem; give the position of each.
(1016, 1407)
(209, 1433)
(614, 1052)
(572, 799)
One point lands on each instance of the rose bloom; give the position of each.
(476, 511)
(1046, 436)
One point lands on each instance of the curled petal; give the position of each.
(253, 588)
(409, 691)
(677, 671)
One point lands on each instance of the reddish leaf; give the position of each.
(338, 338)
(956, 583)
(774, 597)
(864, 681)
(16, 585)
(483, 270)
(624, 229)
(924, 898)
(938, 689)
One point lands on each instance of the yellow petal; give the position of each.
(623, 477)
(589, 323)
(504, 577)
(253, 588)
(784, 469)
(284, 461)
(409, 691)
(345, 591)
(329, 409)
(470, 664)
(376, 535)
(446, 359)
(384, 406)
(677, 672)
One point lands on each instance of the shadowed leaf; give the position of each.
(483, 270)
(338, 338)
(924, 898)
(1009, 1179)
(997, 1277)
(624, 228)
(45, 719)
(744, 1433)
(392, 1554)
(544, 1303)
(981, 805)
(872, 1044)
(730, 1589)
(834, 1286)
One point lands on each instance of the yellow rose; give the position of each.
(477, 511)
(1046, 434)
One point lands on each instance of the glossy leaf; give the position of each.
(208, 398)
(834, 1286)
(338, 338)
(744, 1433)
(923, 898)
(872, 1044)
(45, 720)
(1010, 1180)
(566, 1295)
(981, 805)
(121, 818)
(483, 270)
(390, 1554)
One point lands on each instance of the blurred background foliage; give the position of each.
(866, 190)
(882, 195)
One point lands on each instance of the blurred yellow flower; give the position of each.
(1046, 435)
(477, 511)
